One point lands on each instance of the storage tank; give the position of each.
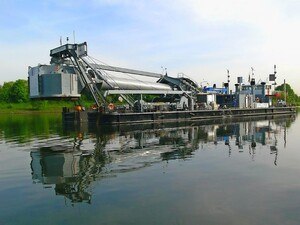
(52, 81)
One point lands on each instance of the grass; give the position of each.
(38, 106)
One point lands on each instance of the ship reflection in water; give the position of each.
(71, 168)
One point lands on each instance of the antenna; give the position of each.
(252, 72)
(228, 81)
(228, 76)
(275, 74)
(74, 36)
(60, 41)
(164, 70)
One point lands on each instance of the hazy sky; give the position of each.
(200, 38)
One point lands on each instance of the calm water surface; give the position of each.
(221, 173)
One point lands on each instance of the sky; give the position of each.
(199, 38)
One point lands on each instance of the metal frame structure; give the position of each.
(76, 54)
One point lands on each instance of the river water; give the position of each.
(222, 172)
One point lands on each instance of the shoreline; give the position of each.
(37, 107)
(27, 112)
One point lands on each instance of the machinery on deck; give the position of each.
(71, 71)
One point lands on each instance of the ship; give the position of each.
(126, 96)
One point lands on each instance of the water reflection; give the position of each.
(71, 173)
(71, 167)
(24, 128)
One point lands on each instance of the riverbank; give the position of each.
(31, 107)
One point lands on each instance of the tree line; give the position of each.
(14, 91)
(290, 95)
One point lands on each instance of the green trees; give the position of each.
(5, 90)
(291, 96)
(14, 92)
